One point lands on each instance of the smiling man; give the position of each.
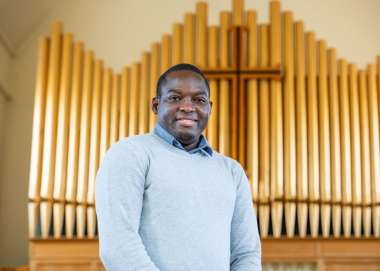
(166, 201)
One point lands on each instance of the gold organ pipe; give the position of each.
(188, 38)
(105, 112)
(264, 134)
(312, 133)
(124, 101)
(201, 35)
(201, 39)
(252, 109)
(224, 98)
(133, 100)
(355, 150)
(37, 135)
(144, 94)
(106, 88)
(60, 171)
(238, 12)
(376, 186)
(73, 151)
(276, 132)
(324, 141)
(345, 147)
(50, 129)
(373, 107)
(84, 143)
(301, 129)
(154, 74)
(335, 142)
(115, 108)
(365, 153)
(166, 52)
(94, 145)
(177, 43)
(289, 126)
(213, 50)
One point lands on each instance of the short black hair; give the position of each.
(180, 67)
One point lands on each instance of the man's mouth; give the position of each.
(187, 122)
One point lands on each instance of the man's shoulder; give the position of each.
(137, 140)
(229, 162)
(132, 144)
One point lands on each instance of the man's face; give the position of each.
(183, 108)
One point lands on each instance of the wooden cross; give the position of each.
(238, 74)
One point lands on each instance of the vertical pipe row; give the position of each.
(312, 139)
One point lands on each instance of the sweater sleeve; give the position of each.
(118, 197)
(245, 240)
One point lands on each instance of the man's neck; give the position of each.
(191, 145)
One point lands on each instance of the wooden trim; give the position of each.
(325, 253)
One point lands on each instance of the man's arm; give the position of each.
(245, 240)
(119, 197)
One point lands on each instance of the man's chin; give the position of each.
(185, 137)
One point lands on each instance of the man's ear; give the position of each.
(210, 107)
(155, 105)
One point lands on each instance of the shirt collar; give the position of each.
(202, 146)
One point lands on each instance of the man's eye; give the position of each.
(201, 100)
(174, 98)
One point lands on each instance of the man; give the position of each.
(166, 201)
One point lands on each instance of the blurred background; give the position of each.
(118, 31)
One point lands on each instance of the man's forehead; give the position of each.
(177, 78)
(184, 74)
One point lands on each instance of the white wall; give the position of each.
(118, 31)
(5, 61)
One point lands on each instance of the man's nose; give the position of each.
(186, 105)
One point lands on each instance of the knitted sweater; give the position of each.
(162, 208)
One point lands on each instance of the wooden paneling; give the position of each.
(348, 254)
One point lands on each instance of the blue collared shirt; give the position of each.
(202, 146)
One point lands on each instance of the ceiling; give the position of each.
(18, 18)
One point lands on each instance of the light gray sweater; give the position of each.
(163, 208)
